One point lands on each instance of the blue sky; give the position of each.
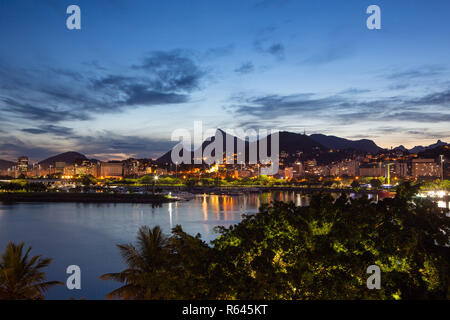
(137, 70)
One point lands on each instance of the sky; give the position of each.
(138, 70)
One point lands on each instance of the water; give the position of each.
(86, 234)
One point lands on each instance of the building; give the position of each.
(298, 169)
(372, 171)
(22, 165)
(289, 173)
(400, 169)
(59, 167)
(425, 168)
(345, 168)
(111, 169)
(322, 171)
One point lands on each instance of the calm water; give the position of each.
(86, 234)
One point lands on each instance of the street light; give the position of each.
(442, 166)
(155, 178)
(176, 170)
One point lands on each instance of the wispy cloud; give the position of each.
(275, 49)
(246, 67)
(162, 77)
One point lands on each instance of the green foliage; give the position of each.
(375, 183)
(163, 268)
(23, 186)
(21, 276)
(87, 180)
(355, 184)
(288, 252)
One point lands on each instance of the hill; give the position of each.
(418, 149)
(436, 152)
(290, 143)
(337, 143)
(67, 157)
(5, 164)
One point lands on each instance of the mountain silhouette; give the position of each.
(337, 143)
(68, 157)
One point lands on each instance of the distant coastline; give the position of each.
(83, 197)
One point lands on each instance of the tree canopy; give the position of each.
(287, 252)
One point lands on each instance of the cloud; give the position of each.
(427, 117)
(330, 53)
(105, 142)
(12, 148)
(343, 109)
(246, 67)
(274, 106)
(219, 52)
(416, 73)
(39, 113)
(274, 49)
(162, 77)
(110, 142)
(172, 70)
(354, 91)
(50, 129)
(437, 99)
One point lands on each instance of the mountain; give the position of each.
(167, 157)
(400, 148)
(5, 164)
(67, 157)
(336, 143)
(434, 153)
(418, 149)
(290, 143)
(293, 142)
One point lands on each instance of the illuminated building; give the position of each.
(22, 165)
(111, 169)
(425, 168)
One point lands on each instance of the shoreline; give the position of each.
(13, 197)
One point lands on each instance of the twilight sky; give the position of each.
(137, 70)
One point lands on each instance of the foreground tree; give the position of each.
(286, 252)
(163, 268)
(323, 251)
(143, 279)
(21, 276)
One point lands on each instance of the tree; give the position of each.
(375, 183)
(163, 268)
(355, 184)
(287, 252)
(144, 277)
(21, 276)
(322, 251)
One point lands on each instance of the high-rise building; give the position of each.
(289, 173)
(22, 164)
(298, 169)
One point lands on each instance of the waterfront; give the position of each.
(86, 234)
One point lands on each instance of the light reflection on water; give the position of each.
(86, 234)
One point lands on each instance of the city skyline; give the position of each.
(118, 90)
